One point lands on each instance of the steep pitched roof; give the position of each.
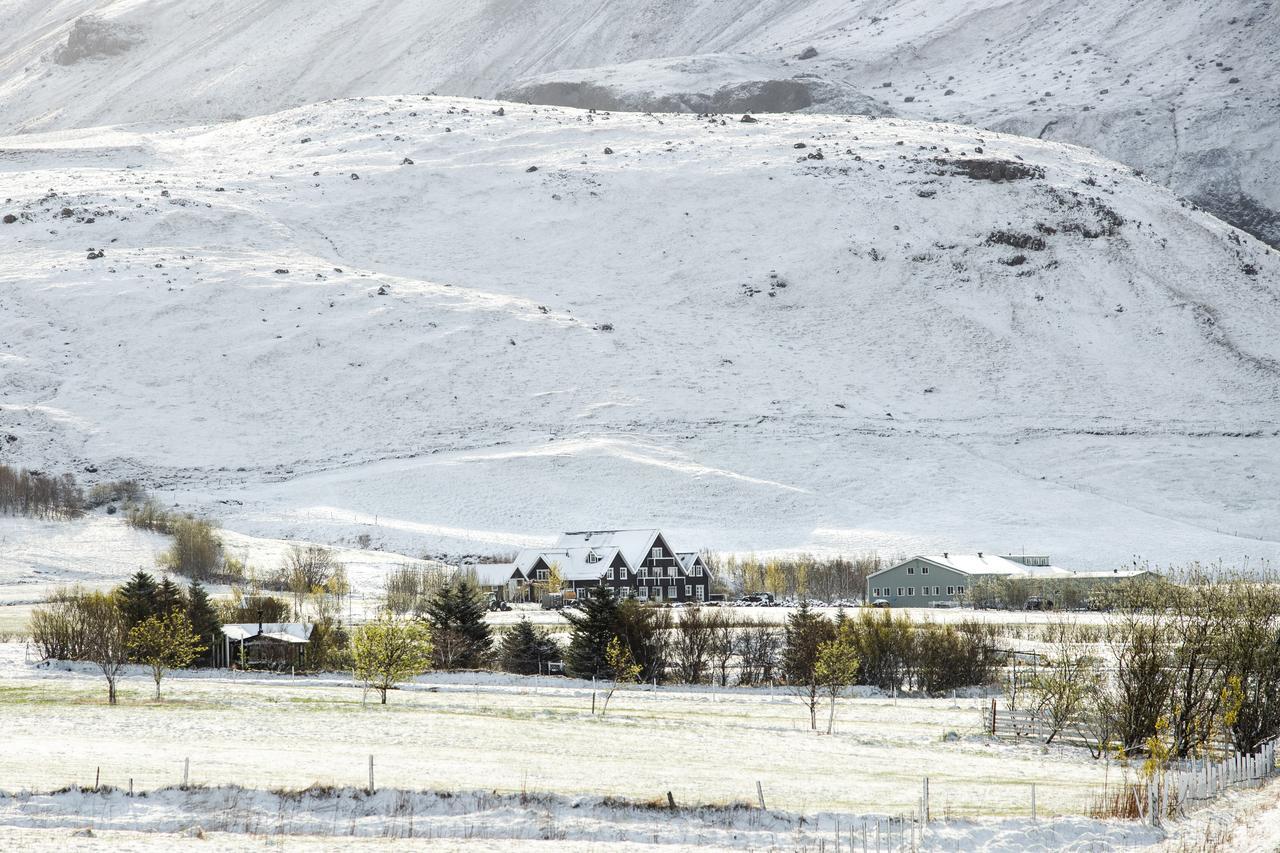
(634, 544)
(575, 564)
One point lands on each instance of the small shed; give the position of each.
(265, 645)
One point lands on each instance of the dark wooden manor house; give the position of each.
(637, 564)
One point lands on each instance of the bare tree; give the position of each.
(692, 646)
(108, 643)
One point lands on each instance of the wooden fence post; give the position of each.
(186, 772)
(371, 788)
(760, 794)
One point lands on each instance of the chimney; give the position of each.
(979, 555)
(259, 621)
(945, 555)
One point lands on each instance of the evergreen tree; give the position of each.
(204, 620)
(168, 598)
(593, 628)
(137, 598)
(461, 636)
(526, 650)
(805, 633)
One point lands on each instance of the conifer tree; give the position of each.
(525, 649)
(168, 598)
(137, 598)
(203, 618)
(593, 628)
(805, 633)
(461, 635)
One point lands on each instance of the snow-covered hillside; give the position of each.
(472, 324)
(1187, 91)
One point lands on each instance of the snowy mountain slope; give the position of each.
(1188, 92)
(472, 324)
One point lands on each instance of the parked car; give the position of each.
(1035, 602)
(879, 602)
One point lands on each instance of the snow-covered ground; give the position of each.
(1188, 91)
(502, 736)
(467, 758)
(314, 325)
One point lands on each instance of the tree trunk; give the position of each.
(813, 708)
(383, 691)
(157, 689)
(111, 691)
(831, 719)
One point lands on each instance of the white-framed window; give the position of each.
(951, 590)
(642, 573)
(700, 592)
(686, 590)
(611, 576)
(924, 570)
(644, 592)
(911, 570)
(542, 574)
(899, 590)
(960, 590)
(911, 590)
(593, 557)
(937, 590)
(697, 571)
(656, 553)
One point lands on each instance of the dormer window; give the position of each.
(593, 557)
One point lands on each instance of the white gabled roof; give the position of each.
(575, 564)
(494, 574)
(634, 544)
(285, 632)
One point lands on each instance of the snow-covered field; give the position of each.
(463, 759)
(313, 325)
(504, 736)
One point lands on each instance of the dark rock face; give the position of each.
(990, 169)
(93, 38)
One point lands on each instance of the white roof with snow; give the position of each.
(494, 574)
(634, 544)
(285, 632)
(575, 564)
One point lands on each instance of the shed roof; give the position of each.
(285, 632)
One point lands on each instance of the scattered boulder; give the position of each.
(500, 111)
(9, 219)
(808, 53)
(608, 150)
(748, 119)
(406, 162)
(532, 169)
(282, 271)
